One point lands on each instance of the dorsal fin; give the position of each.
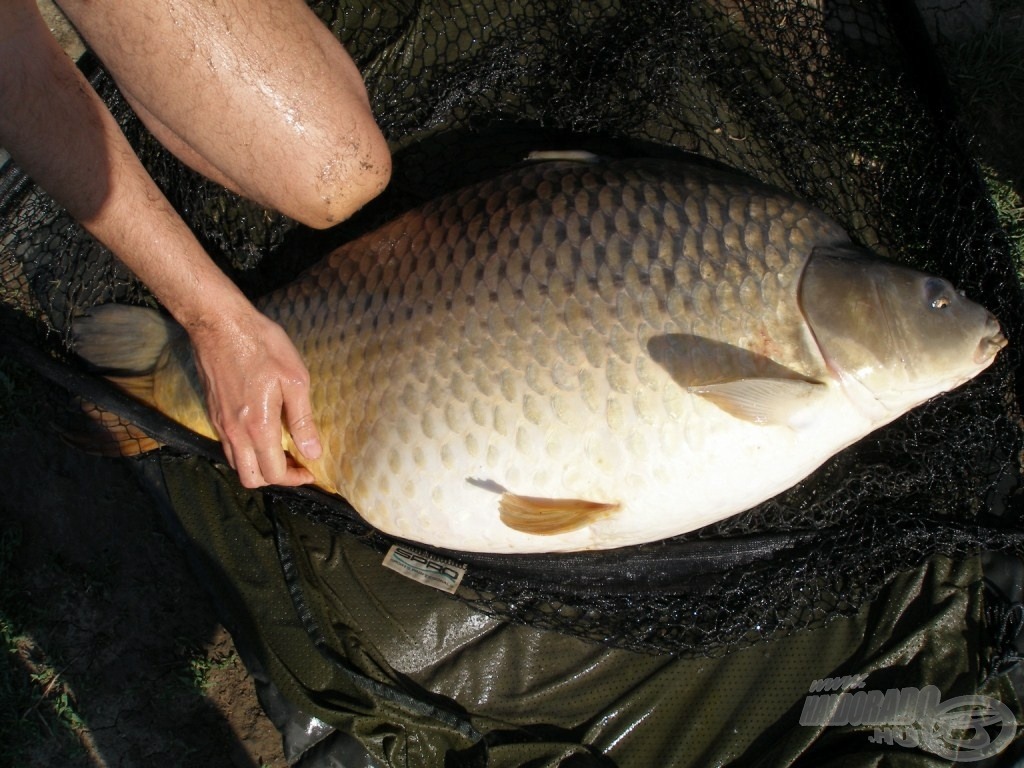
(565, 155)
(546, 517)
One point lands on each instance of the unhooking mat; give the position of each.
(371, 669)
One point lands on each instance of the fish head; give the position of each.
(893, 336)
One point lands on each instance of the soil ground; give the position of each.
(115, 646)
(116, 657)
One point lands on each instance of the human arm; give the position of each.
(62, 135)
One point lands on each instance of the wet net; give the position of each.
(841, 104)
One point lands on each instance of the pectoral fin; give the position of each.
(763, 401)
(547, 517)
(696, 361)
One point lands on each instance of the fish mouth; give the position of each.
(990, 345)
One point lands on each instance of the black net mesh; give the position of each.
(839, 103)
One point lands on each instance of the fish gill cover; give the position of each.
(836, 103)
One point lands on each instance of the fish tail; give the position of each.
(123, 343)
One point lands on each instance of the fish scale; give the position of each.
(523, 255)
(582, 355)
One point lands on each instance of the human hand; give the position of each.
(255, 383)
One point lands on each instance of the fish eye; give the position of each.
(938, 292)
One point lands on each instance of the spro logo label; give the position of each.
(425, 568)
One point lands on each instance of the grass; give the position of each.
(37, 705)
(1010, 207)
(108, 651)
(62, 633)
(987, 68)
(986, 72)
(197, 666)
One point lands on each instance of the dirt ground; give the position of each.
(119, 657)
(130, 665)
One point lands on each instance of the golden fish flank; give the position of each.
(589, 355)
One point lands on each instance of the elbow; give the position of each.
(347, 181)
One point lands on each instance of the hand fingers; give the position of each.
(248, 469)
(298, 413)
(252, 475)
(223, 434)
(229, 454)
(252, 393)
(258, 467)
(253, 444)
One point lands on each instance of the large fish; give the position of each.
(582, 355)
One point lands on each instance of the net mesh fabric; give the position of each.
(834, 102)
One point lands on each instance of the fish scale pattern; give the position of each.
(554, 348)
(833, 102)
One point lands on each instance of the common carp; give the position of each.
(587, 355)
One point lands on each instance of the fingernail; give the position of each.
(311, 449)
